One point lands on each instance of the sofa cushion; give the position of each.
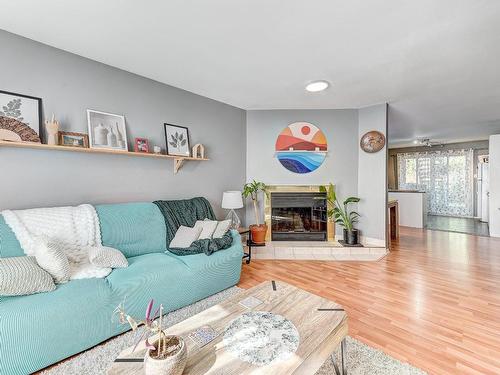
(72, 318)
(203, 264)
(150, 276)
(9, 245)
(132, 228)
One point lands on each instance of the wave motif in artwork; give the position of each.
(297, 147)
(301, 161)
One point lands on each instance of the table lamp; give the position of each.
(231, 200)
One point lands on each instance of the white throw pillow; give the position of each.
(222, 227)
(184, 237)
(104, 256)
(50, 255)
(207, 228)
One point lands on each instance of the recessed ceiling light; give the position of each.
(317, 86)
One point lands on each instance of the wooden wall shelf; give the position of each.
(178, 160)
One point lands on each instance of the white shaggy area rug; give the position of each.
(361, 359)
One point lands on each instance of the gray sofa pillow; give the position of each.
(104, 256)
(22, 276)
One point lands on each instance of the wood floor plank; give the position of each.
(434, 301)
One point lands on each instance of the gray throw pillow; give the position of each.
(103, 256)
(22, 276)
(51, 257)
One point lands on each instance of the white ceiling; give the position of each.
(437, 62)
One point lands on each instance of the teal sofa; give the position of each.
(41, 329)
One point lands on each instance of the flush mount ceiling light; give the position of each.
(317, 86)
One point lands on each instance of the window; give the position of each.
(446, 176)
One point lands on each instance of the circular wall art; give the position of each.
(373, 141)
(261, 338)
(301, 147)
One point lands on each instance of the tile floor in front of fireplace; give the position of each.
(317, 251)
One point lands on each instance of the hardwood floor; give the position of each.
(434, 301)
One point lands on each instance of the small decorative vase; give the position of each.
(112, 138)
(173, 365)
(101, 135)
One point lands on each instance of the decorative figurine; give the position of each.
(198, 151)
(52, 128)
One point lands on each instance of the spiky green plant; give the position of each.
(340, 213)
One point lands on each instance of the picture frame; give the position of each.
(107, 130)
(20, 117)
(72, 139)
(141, 145)
(177, 140)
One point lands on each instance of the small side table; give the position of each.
(249, 243)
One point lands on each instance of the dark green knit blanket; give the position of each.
(186, 212)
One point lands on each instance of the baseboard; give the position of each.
(366, 241)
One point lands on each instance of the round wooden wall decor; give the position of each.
(372, 141)
(301, 147)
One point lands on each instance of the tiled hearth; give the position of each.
(316, 251)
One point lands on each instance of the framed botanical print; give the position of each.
(20, 117)
(177, 140)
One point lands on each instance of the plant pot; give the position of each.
(171, 365)
(351, 236)
(258, 233)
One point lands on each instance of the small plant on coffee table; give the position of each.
(167, 353)
(252, 190)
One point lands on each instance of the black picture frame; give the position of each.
(168, 145)
(40, 129)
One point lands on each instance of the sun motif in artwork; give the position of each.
(301, 147)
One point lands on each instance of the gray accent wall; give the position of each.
(372, 176)
(353, 171)
(69, 85)
(340, 166)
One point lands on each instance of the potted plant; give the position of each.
(252, 189)
(167, 355)
(341, 214)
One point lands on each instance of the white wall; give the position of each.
(494, 221)
(372, 176)
(412, 208)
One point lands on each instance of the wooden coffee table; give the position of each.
(321, 324)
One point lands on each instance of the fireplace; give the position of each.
(297, 216)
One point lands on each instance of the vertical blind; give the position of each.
(446, 177)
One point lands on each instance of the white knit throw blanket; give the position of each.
(75, 227)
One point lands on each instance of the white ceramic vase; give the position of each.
(173, 365)
(101, 135)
